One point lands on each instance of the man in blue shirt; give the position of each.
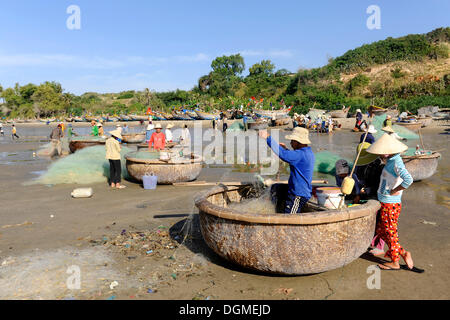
(301, 161)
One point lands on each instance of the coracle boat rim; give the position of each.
(423, 156)
(197, 159)
(310, 218)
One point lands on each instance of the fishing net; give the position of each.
(258, 205)
(378, 123)
(237, 126)
(326, 161)
(86, 166)
(411, 152)
(315, 113)
(144, 155)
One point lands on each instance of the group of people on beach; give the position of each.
(380, 172)
(320, 124)
(156, 139)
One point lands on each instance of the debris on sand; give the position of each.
(429, 222)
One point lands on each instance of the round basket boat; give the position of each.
(258, 125)
(339, 113)
(168, 172)
(313, 242)
(75, 145)
(422, 167)
(425, 121)
(413, 126)
(133, 137)
(169, 145)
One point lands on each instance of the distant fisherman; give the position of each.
(185, 136)
(101, 132)
(158, 139)
(94, 131)
(55, 137)
(168, 133)
(14, 132)
(113, 148)
(370, 138)
(301, 161)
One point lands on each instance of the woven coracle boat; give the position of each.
(313, 242)
(133, 137)
(339, 113)
(80, 143)
(422, 167)
(168, 172)
(413, 126)
(258, 125)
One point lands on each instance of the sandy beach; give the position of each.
(149, 241)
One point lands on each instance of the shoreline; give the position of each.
(346, 123)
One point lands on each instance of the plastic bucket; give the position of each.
(150, 182)
(329, 197)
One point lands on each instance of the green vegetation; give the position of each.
(349, 79)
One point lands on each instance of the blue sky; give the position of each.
(164, 45)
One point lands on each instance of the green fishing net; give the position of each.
(326, 161)
(315, 113)
(411, 152)
(85, 166)
(144, 154)
(378, 123)
(237, 126)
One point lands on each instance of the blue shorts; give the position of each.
(294, 204)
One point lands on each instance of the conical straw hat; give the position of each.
(388, 129)
(117, 134)
(365, 158)
(387, 145)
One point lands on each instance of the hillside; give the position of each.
(410, 71)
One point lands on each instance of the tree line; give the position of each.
(226, 86)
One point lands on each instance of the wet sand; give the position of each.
(43, 231)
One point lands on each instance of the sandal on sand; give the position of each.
(121, 187)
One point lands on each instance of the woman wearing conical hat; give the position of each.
(392, 133)
(394, 179)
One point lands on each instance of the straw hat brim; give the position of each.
(388, 129)
(387, 145)
(299, 138)
(117, 134)
(365, 158)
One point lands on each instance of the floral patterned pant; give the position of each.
(387, 227)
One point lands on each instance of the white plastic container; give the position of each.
(164, 156)
(329, 197)
(82, 193)
(149, 182)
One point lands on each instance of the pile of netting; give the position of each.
(145, 155)
(236, 126)
(315, 113)
(86, 166)
(326, 162)
(378, 123)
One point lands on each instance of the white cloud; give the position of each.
(73, 61)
